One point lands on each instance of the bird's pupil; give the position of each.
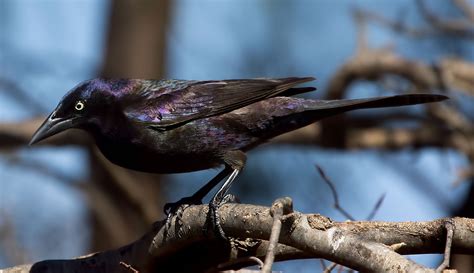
(79, 105)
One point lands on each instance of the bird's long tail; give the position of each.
(332, 107)
(286, 114)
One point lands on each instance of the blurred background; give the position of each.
(62, 199)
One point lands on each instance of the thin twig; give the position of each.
(238, 261)
(280, 207)
(257, 260)
(337, 206)
(340, 269)
(323, 263)
(330, 268)
(129, 267)
(447, 250)
(396, 247)
(376, 208)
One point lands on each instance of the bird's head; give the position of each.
(84, 106)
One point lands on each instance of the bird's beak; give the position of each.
(51, 126)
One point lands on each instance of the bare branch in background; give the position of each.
(460, 27)
(14, 252)
(21, 96)
(18, 134)
(362, 17)
(137, 39)
(466, 8)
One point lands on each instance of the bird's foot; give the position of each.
(213, 215)
(177, 209)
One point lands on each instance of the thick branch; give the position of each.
(359, 245)
(374, 64)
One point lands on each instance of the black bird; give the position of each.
(173, 126)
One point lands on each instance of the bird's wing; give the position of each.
(172, 105)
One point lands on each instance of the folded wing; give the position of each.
(163, 107)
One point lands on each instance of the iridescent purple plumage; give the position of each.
(199, 121)
(169, 126)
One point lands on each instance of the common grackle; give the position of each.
(173, 126)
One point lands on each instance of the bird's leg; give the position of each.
(217, 201)
(196, 198)
(236, 161)
(177, 208)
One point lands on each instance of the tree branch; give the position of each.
(360, 245)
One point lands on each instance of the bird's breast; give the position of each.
(154, 156)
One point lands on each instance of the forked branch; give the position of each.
(360, 245)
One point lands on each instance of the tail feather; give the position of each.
(279, 115)
(341, 106)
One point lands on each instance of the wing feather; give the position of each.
(169, 104)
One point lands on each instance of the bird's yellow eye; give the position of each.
(79, 106)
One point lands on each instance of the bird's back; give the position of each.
(168, 104)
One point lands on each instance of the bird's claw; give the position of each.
(177, 209)
(213, 216)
